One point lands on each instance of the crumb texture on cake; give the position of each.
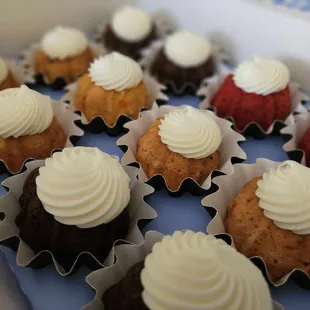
(256, 235)
(155, 158)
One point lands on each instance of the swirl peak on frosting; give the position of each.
(262, 76)
(24, 111)
(197, 271)
(131, 24)
(83, 186)
(190, 132)
(187, 49)
(115, 72)
(4, 70)
(64, 42)
(284, 195)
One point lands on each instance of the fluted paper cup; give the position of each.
(98, 124)
(126, 257)
(26, 257)
(210, 86)
(230, 151)
(228, 187)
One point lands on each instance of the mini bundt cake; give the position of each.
(7, 79)
(305, 145)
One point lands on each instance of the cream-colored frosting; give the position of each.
(262, 76)
(24, 111)
(64, 42)
(83, 186)
(190, 132)
(115, 72)
(131, 24)
(284, 195)
(187, 49)
(197, 271)
(4, 70)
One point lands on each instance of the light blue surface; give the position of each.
(46, 290)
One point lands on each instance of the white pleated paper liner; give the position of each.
(148, 55)
(230, 151)
(294, 130)
(98, 124)
(163, 21)
(26, 66)
(68, 121)
(210, 86)
(26, 257)
(126, 257)
(19, 73)
(228, 187)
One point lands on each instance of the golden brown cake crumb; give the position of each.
(9, 82)
(256, 235)
(94, 101)
(155, 158)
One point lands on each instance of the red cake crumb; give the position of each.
(304, 145)
(245, 108)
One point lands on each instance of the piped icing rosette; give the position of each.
(284, 195)
(262, 76)
(64, 42)
(131, 24)
(115, 72)
(4, 70)
(83, 186)
(190, 132)
(195, 271)
(24, 111)
(187, 49)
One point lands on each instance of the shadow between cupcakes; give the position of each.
(210, 86)
(98, 124)
(69, 122)
(9, 232)
(28, 74)
(228, 188)
(137, 128)
(126, 257)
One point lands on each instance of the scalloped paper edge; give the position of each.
(229, 148)
(9, 205)
(228, 188)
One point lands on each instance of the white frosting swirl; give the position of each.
(262, 76)
(131, 24)
(83, 186)
(115, 72)
(190, 132)
(24, 111)
(4, 70)
(64, 42)
(187, 49)
(284, 195)
(197, 272)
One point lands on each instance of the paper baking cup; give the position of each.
(26, 66)
(228, 187)
(127, 256)
(20, 73)
(230, 151)
(295, 128)
(98, 124)
(9, 232)
(68, 121)
(210, 86)
(149, 54)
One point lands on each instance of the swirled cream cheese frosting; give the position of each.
(284, 195)
(83, 186)
(187, 49)
(4, 70)
(190, 132)
(195, 271)
(115, 72)
(131, 24)
(24, 111)
(262, 76)
(64, 42)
